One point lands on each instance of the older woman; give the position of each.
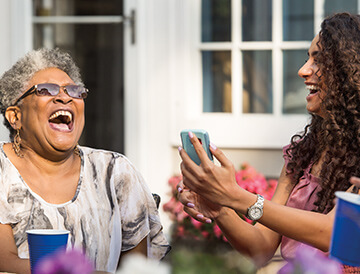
(48, 181)
(317, 163)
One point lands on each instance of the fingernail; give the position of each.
(200, 216)
(179, 189)
(208, 221)
(213, 146)
(191, 134)
(190, 205)
(179, 149)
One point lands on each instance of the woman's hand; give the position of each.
(216, 184)
(355, 181)
(196, 206)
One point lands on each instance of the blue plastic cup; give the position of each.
(44, 242)
(345, 240)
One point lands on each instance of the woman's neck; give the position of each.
(55, 181)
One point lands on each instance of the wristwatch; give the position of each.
(255, 212)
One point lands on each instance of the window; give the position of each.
(249, 52)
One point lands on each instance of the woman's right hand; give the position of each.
(196, 206)
(215, 183)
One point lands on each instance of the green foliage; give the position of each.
(208, 257)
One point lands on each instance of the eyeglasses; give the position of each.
(48, 89)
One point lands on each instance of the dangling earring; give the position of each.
(77, 150)
(16, 144)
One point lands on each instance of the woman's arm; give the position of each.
(257, 242)
(141, 248)
(9, 259)
(304, 226)
(218, 185)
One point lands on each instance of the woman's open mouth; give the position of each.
(313, 88)
(61, 120)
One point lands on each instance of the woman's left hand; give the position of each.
(215, 183)
(196, 206)
(355, 181)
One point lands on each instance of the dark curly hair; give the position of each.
(336, 136)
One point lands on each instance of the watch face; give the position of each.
(255, 213)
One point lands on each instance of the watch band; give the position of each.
(260, 200)
(255, 211)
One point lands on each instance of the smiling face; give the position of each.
(310, 72)
(51, 123)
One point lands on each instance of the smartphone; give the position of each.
(204, 140)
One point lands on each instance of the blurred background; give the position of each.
(155, 67)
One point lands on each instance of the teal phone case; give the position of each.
(204, 139)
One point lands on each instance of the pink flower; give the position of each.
(248, 220)
(178, 207)
(170, 205)
(196, 223)
(255, 182)
(205, 234)
(173, 182)
(217, 231)
(181, 216)
(180, 231)
(185, 226)
(247, 171)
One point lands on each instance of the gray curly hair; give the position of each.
(14, 81)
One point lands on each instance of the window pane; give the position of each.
(298, 20)
(216, 81)
(77, 7)
(215, 20)
(256, 20)
(332, 6)
(257, 81)
(294, 88)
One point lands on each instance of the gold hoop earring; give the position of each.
(17, 144)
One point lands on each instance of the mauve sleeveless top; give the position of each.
(303, 197)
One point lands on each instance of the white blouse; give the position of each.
(112, 210)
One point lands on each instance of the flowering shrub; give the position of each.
(186, 227)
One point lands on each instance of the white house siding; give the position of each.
(159, 91)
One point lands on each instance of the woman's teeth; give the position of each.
(312, 88)
(61, 113)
